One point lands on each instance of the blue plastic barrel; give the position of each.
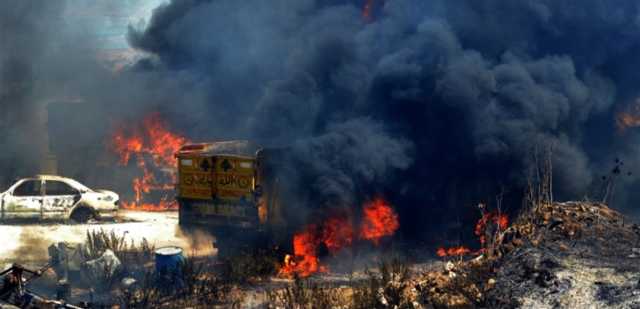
(168, 259)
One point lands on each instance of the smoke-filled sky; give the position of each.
(431, 103)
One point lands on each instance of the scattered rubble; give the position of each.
(567, 255)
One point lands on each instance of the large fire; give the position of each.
(153, 146)
(304, 260)
(488, 220)
(336, 233)
(379, 221)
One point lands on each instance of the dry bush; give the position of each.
(198, 284)
(145, 294)
(540, 180)
(98, 241)
(385, 289)
(303, 294)
(250, 266)
(139, 254)
(194, 284)
(129, 253)
(106, 278)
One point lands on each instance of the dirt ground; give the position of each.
(27, 242)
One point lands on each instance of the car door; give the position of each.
(25, 200)
(59, 197)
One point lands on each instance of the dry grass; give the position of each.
(194, 284)
(250, 266)
(303, 294)
(385, 287)
(98, 241)
(129, 253)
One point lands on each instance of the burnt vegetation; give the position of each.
(384, 286)
(194, 284)
(198, 281)
(572, 254)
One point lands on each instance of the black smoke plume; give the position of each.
(436, 105)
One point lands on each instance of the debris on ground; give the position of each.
(14, 292)
(554, 255)
(567, 255)
(102, 270)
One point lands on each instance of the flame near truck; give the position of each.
(229, 189)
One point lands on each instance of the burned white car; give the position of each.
(56, 197)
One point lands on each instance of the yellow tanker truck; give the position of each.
(230, 188)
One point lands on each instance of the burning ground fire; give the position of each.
(487, 223)
(153, 146)
(337, 233)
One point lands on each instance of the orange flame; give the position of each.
(379, 221)
(453, 251)
(162, 143)
(337, 233)
(160, 206)
(304, 262)
(124, 146)
(500, 221)
(150, 140)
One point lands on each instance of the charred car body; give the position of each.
(56, 197)
(230, 188)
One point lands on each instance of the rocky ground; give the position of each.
(577, 255)
(557, 255)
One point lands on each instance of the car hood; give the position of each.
(107, 192)
(104, 191)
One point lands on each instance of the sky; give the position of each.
(110, 18)
(107, 21)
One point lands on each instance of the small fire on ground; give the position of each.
(486, 226)
(336, 233)
(152, 146)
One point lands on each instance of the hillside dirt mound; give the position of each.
(555, 255)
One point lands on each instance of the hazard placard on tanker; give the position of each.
(216, 171)
(196, 177)
(234, 177)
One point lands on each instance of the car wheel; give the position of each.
(82, 214)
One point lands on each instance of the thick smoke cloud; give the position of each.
(21, 55)
(436, 105)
